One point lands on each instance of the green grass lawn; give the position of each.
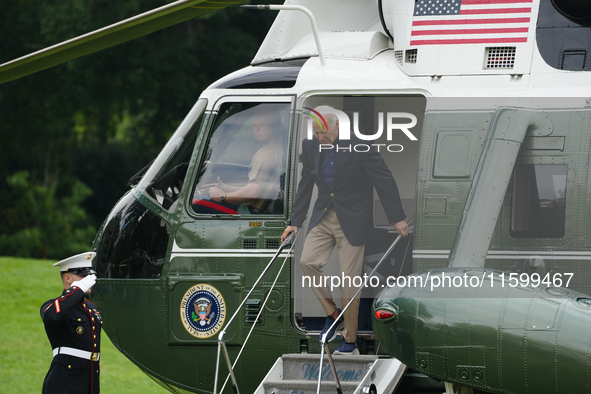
(25, 353)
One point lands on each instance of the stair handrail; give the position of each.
(257, 318)
(324, 343)
(221, 343)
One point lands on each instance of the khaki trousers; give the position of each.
(318, 246)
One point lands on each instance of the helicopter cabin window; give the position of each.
(539, 201)
(164, 180)
(243, 170)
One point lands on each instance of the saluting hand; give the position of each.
(86, 283)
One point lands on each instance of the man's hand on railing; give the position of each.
(287, 231)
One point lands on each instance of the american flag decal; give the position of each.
(437, 22)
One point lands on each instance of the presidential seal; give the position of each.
(203, 311)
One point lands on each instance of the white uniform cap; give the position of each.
(81, 263)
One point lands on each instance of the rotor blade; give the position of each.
(109, 36)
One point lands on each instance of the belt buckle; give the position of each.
(94, 356)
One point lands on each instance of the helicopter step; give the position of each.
(299, 373)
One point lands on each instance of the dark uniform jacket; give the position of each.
(71, 321)
(356, 174)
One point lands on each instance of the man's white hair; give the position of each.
(328, 114)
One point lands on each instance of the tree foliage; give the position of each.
(41, 218)
(72, 135)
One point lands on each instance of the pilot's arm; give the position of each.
(247, 193)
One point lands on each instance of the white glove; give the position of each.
(86, 283)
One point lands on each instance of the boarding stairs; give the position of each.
(299, 373)
(320, 374)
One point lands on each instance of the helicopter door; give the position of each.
(538, 233)
(392, 126)
(542, 233)
(233, 219)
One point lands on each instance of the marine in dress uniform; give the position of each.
(73, 326)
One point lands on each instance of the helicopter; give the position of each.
(482, 112)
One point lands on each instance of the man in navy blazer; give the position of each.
(342, 214)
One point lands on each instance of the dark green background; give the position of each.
(71, 136)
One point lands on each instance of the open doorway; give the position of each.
(391, 126)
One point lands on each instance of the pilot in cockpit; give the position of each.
(264, 174)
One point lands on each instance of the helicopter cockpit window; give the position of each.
(538, 208)
(164, 180)
(243, 171)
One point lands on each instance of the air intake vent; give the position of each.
(411, 55)
(399, 55)
(252, 310)
(272, 244)
(249, 243)
(500, 57)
